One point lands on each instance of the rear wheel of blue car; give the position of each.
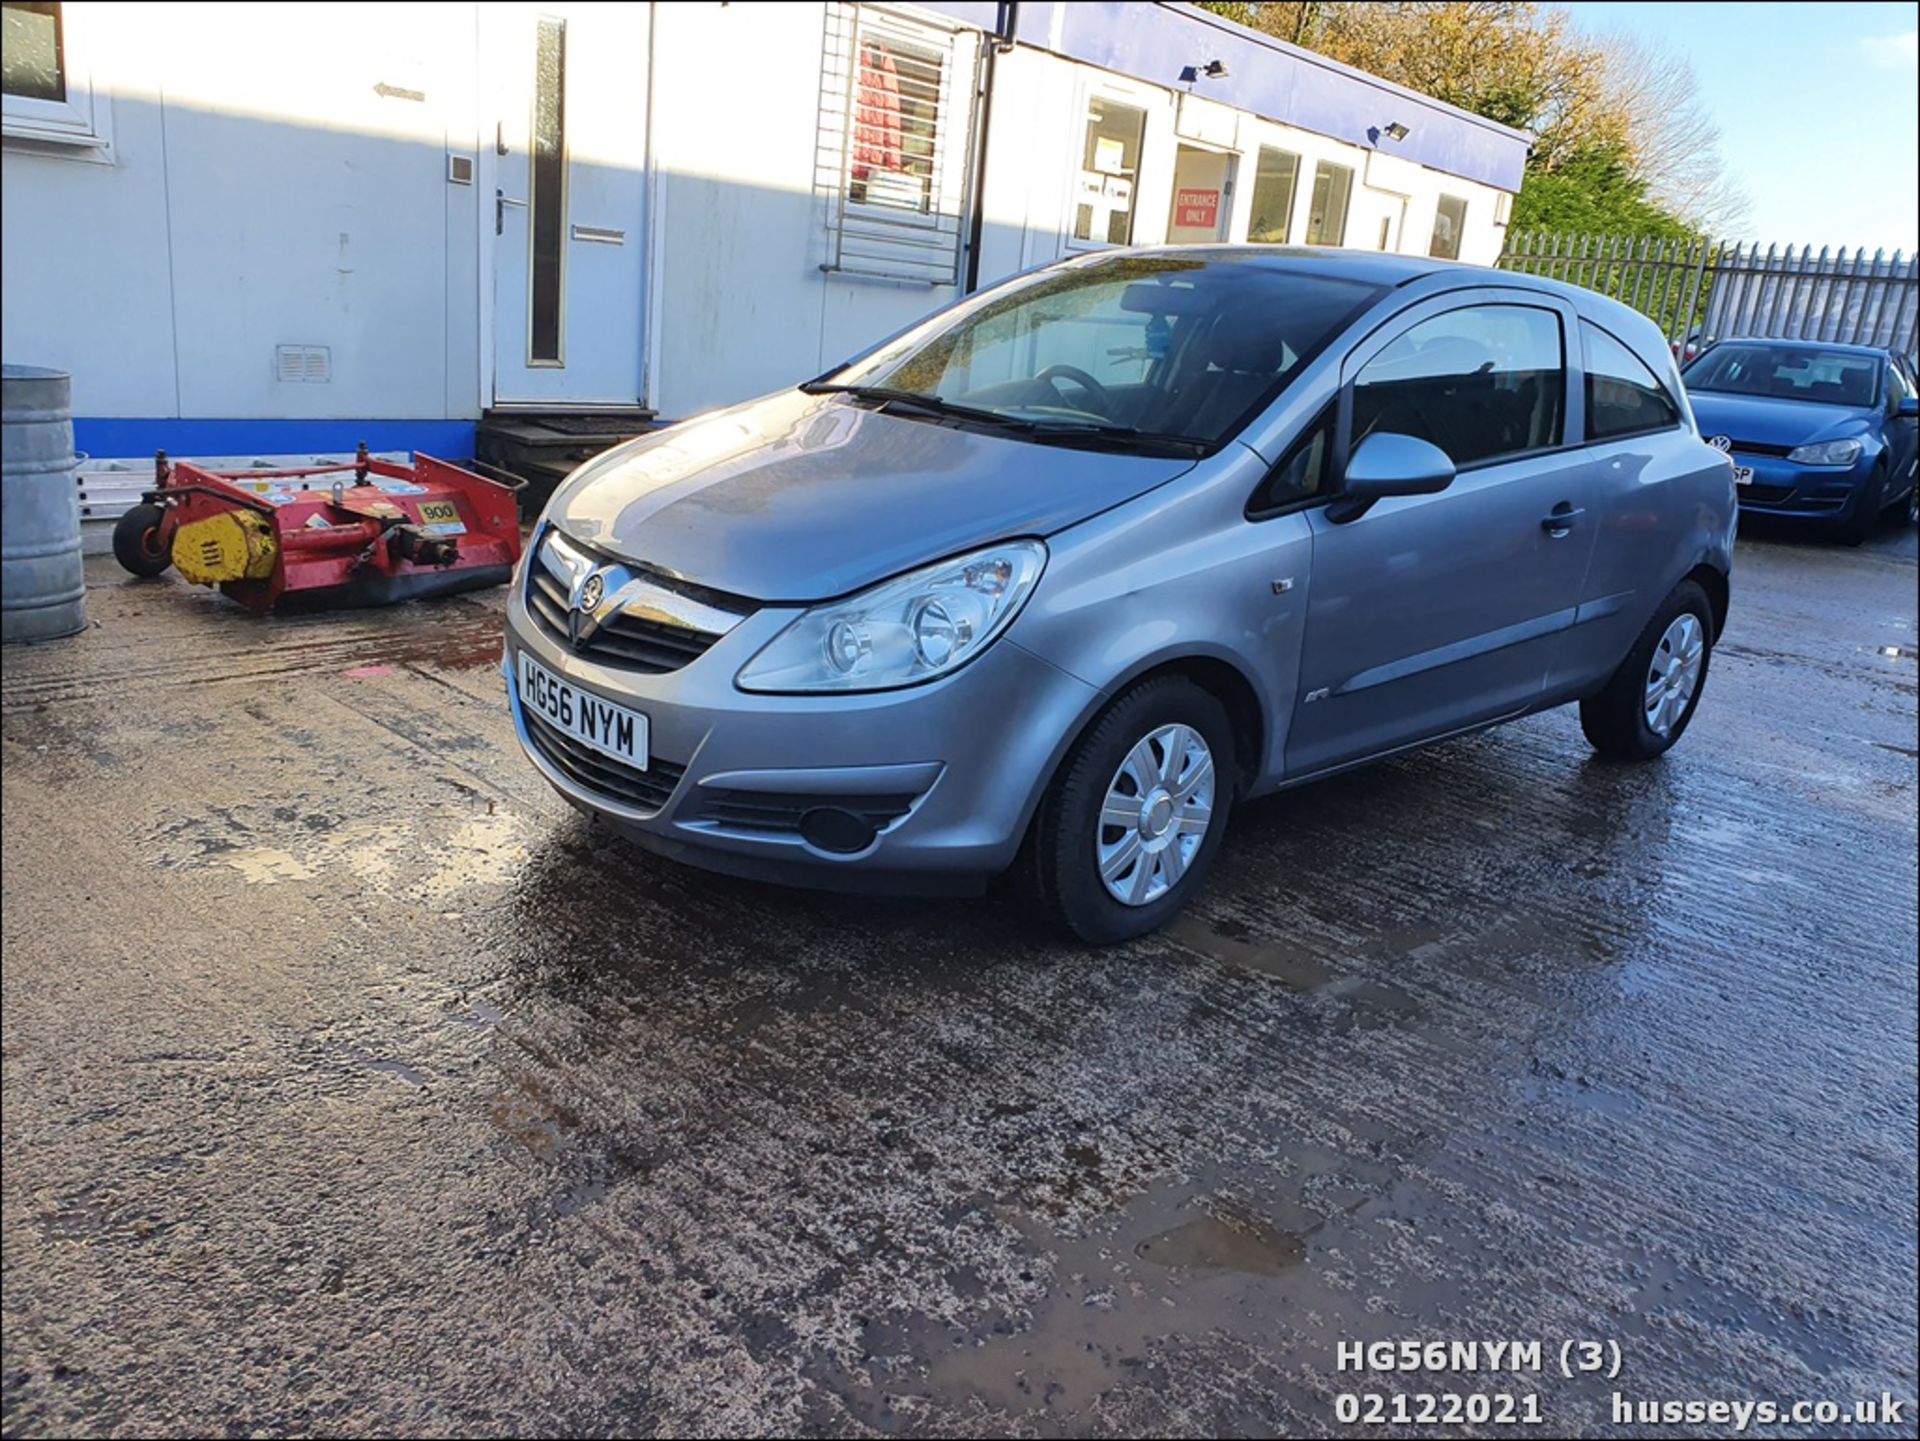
(1132, 821)
(1650, 699)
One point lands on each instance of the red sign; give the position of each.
(1196, 209)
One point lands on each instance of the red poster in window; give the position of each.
(1196, 209)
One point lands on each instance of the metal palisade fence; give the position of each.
(1701, 290)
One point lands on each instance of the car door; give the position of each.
(1429, 614)
(1902, 431)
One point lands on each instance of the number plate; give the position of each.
(441, 517)
(611, 729)
(1743, 475)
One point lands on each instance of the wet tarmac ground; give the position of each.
(354, 1084)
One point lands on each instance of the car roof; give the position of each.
(1370, 267)
(1375, 267)
(1389, 271)
(1782, 342)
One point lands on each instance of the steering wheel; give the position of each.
(1096, 392)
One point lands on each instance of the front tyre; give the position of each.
(1131, 823)
(1867, 505)
(1647, 704)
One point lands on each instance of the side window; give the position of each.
(1623, 396)
(1482, 382)
(1897, 388)
(1301, 473)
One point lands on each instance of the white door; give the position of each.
(568, 216)
(1202, 196)
(1392, 220)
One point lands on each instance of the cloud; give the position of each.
(1893, 52)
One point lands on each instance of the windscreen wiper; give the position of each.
(1078, 432)
(1066, 432)
(912, 400)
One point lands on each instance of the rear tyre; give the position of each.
(1130, 825)
(136, 540)
(1867, 506)
(1647, 704)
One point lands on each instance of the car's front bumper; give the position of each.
(1802, 492)
(946, 773)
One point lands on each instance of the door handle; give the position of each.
(1558, 521)
(501, 200)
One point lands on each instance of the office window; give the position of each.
(897, 124)
(1275, 178)
(1109, 172)
(1482, 382)
(892, 149)
(1623, 397)
(1449, 221)
(45, 89)
(1327, 211)
(32, 57)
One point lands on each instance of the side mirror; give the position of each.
(1909, 408)
(1385, 464)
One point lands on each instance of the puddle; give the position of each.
(1282, 961)
(399, 1070)
(1374, 1005)
(1237, 1242)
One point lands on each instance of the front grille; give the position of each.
(1754, 447)
(645, 790)
(780, 813)
(621, 640)
(1761, 497)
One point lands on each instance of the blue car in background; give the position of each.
(1817, 432)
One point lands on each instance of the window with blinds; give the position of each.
(896, 143)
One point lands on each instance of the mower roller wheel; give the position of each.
(136, 540)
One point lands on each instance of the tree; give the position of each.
(1620, 140)
(1675, 147)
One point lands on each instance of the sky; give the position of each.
(1817, 109)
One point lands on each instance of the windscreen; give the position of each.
(1780, 372)
(1175, 346)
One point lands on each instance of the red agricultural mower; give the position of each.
(366, 533)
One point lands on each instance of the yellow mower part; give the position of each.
(233, 545)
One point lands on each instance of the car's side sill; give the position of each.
(1286, 783)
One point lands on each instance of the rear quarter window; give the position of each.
(1624, 396)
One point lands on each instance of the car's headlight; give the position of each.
(923, 624)
(1827, 452)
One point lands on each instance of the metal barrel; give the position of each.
(43, 591)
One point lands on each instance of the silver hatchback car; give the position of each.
(1057, 576)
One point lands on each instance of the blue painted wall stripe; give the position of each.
(118, 438)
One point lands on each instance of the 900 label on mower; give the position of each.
(441, 517)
